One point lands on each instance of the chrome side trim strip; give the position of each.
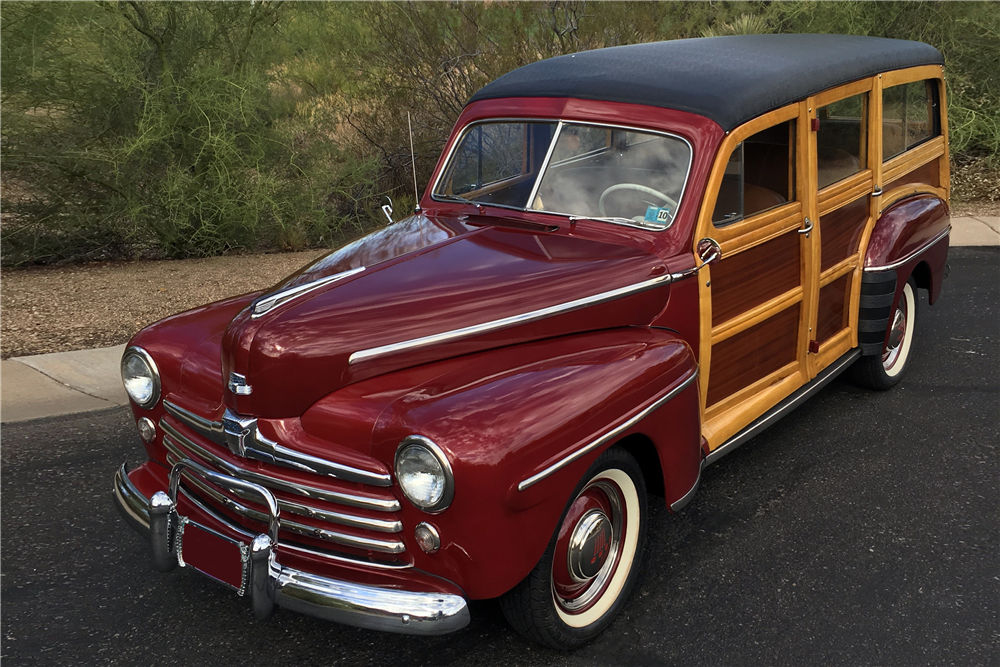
(379, 504)
(610, 435)
(503, 323)
(206, 427)
(900, 262)
(267, 303)
(380, 525)
(682, 502)
(261, 448)
(786, 406)
(357, 542)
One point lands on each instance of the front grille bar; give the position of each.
(341, 498)
(253, 445)
(383, 546)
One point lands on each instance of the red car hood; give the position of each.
(425, 278)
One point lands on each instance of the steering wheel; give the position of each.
(637, 188)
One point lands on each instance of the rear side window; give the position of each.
(910, 116)
(842, 142)
(760, 175)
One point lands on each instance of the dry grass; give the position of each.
(96, 305)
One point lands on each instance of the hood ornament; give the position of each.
(238, 385)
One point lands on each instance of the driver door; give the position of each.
(755, 317)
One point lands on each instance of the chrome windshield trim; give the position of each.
(610, 435)
(379, 525)
(266, 303)
(503, 323)
(262, 448)
(561, 122)
(910, 257)
(343, 539)
(544, 165)
(378, 504)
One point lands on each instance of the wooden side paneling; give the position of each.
(925, 175)
(755, 353)
(841, 231)
(834, 300)
(754, 276)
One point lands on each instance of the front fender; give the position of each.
(505, 415)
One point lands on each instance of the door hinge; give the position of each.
(814, 347)
(814, 124)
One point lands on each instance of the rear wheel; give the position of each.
(886, 370)
(592, 562)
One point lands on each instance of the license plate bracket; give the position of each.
(213, 554)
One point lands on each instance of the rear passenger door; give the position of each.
(842, 149)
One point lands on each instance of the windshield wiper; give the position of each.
(457, 198)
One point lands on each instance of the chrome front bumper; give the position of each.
(273, 585)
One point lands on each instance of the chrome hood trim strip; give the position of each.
(610, 435)
(269, 302)
(513, 320)
(267, 450)
(900, 262)
(378, 504)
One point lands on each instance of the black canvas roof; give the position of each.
(727, 79)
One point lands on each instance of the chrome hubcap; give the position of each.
(588, 547)
(897, 333)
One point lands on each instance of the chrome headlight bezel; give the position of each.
(154, 375)
(448, 493)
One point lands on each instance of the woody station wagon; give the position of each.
(627, 263)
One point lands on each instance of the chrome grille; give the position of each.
(306, 508)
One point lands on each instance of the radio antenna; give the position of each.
(413, 164)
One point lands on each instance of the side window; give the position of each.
(760, 175)
(842, 141)
(910, 116)
(491, 152)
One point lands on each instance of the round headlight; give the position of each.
(140, 377)
(424, 474)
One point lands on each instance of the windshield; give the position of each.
(586, 171)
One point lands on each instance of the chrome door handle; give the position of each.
(877, 192)
(808, 228)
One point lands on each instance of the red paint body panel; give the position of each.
(503, 405)
(905, 228)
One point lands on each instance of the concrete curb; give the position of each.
(63, 383)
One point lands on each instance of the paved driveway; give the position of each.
(861, 529)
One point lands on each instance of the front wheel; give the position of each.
(885, 371)
(592, 561)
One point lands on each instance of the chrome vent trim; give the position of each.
(341, 498)
(260, 448)
(269, 302)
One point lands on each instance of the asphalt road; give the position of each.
(861, 529)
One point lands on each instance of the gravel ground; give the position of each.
(65, 308)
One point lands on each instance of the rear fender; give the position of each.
(506, 415)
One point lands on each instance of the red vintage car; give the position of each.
(627, 263)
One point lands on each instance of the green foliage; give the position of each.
(182, 129)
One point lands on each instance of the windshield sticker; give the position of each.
(657, 214)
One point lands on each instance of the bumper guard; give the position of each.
(272, 585)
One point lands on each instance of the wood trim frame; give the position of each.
(751, 231)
